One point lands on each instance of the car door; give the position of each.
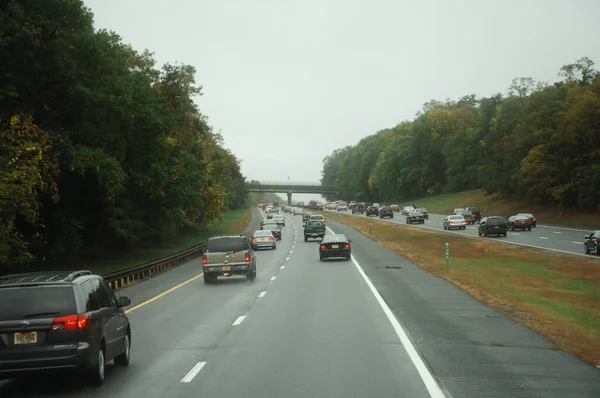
(109, 324)
(482, 225)
(589, 242)
(118, 318)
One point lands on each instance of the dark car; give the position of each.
(335, 246)
(531, 218)
(415, 216)
(275, 230)
(494, 225)
(269, 221)
(372, 211)
(306, 217)
(518, 222)
(358, 207)
(469, 216)
(61, 320)
(424, 211)
(476, 211)
(592, 243)
(386, 211)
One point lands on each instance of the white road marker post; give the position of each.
(447, 257)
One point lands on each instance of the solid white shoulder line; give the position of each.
(430, 383)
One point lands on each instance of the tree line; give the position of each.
(101, 150)
(540, 142)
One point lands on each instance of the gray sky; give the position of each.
(287, 82)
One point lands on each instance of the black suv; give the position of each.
(495, 225)
(61, 321)
(386, 211)
(372, 211)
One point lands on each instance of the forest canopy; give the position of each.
(540, 143)
(101, 149)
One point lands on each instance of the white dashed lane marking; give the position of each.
(283, 266)
(273, 278)
(542, 237)
(239, 320)
(262, 294)
(193, 372)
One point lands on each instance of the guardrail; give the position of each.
(130, 276)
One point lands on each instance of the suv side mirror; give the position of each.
(587, 237)
(124, 301)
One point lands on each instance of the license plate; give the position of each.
(497, 226)
(334, 246)
(226, 268)
(25, 338)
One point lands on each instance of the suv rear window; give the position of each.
(495, 220)
(27, 301)
(225, 244)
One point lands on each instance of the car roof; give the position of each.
(44, 277)
(335, 238)
(262, 232)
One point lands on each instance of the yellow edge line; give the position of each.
(140, 305)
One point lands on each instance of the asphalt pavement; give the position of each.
(552, 238)
(306, 328)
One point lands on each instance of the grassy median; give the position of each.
(498, 205)
(557, 295)
(234, 221)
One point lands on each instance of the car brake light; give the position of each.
(204, 260)
(247, 257)
(347, 246)
(534, 218)
(323, 247)
(253, 239)
(323, 222)
(77, 321)
(270, 238)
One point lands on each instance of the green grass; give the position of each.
(498, 205)
(233, 221)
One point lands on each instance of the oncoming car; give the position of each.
(262, 238)
(335, 246)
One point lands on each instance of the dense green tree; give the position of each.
(100, 149)
(540, 143)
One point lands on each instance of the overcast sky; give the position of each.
(287, 82)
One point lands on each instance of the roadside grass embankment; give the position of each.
(496, 205)
(556, 295)
(234, 221)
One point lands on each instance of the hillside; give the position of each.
(498, 205)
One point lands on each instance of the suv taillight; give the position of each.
(204, 260)
(247, 257)
(77, 321)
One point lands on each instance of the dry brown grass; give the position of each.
(557, 295)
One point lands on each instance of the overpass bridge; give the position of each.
(290, 187)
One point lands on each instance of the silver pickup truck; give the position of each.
(228, 255)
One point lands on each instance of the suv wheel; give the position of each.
(98, 371)
(208, 278)
(586, 249)
(123, 358)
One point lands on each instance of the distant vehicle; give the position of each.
(314, 229)
(531, 218)
(358, 207)
(423, 211)
(494, 225)
(518, 222)
(407, 209)
(372, 211)
(408, 204)
(476, 211)
(590, 245)
(335, 246)
(267, 221)
(342, 207)
(275, 230)
(455, 221)
(386, 211)
(395, 208)
(279, 220)
(318, 217)
(273, 210)
(306, 217)
(457, 212)
(415, 216)
(262, 238)
(229, 255)
(57, 320)
(299, 211)
(467, 215)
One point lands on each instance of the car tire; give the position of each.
(479, 232)
(349, 257)
(97, 374)
(305, 238)
(586, 250)
(320, 258)
(529, 229)
(504, 234)
(485, 233)
(123, 358)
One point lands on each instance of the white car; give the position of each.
(279, 219)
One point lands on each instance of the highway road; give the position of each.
(557, 239)
(305, 328)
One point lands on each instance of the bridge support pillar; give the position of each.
(289, 195)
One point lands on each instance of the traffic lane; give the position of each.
(472, 349)
(168, 334)
(537, 237)
(318, 332)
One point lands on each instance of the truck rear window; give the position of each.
(25, 302)
(221, 245)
